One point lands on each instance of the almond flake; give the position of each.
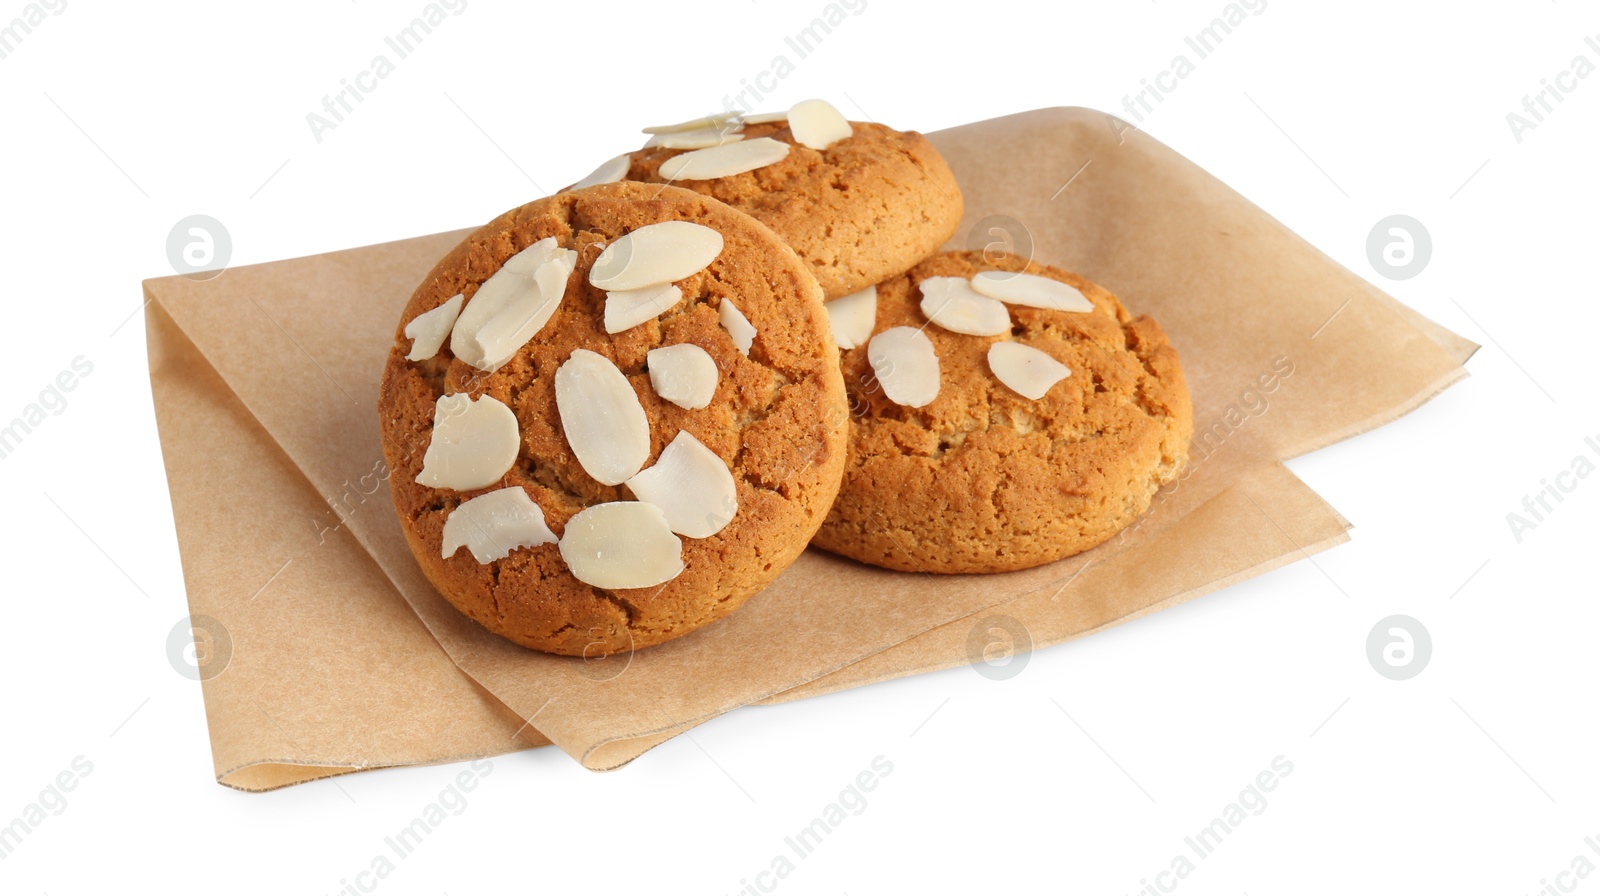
(491, 526)
(724, 161)
(427, 331)
(1031, 291)
(655, 253)
(905, 364)
(512, 285)
(696, 139)
(609, 172)
(694, 124)
(628, 308)
(528, 260)
(472, 445)
(953, 304)
(683, 374)
(817, 124)
(853, 316)
(691, 485)
(519, 321)
(1024, 369)
(621, 544)
(765, 117)
(737, 325)
(604, 422)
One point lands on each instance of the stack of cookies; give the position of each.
(614, 414)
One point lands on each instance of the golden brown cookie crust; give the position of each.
(777, 419)
(865, 209)
(985, 480)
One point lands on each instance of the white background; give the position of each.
(1477, 776)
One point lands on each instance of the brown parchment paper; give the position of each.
(283, 361)
(325, 669)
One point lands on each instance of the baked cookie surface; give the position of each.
(982, 478)
(861, 210)
(775, 420)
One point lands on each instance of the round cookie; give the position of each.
(864, 209)
(983, 479)
(775, 420)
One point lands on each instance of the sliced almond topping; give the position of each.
(609, 172)
(853, 316)
(513, 284)
(695, 124)
(691, 485)
(428, 330)
(737, 325)
(1031, 291)
(602, 417)
(953, 304)
(552, 276)
(700, 138)
(655, 253)
(499, 291)
(621, 544)
(905, 364)
(491, 526)
(765, 117)
(683, 374)
(1024, 369)
(473, 443)
(628, 308)
(724, 161)
(528, 260)
(511, 328)
(817, 124)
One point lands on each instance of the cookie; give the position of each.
(866, 206)
(611, 416)
(952, 469)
